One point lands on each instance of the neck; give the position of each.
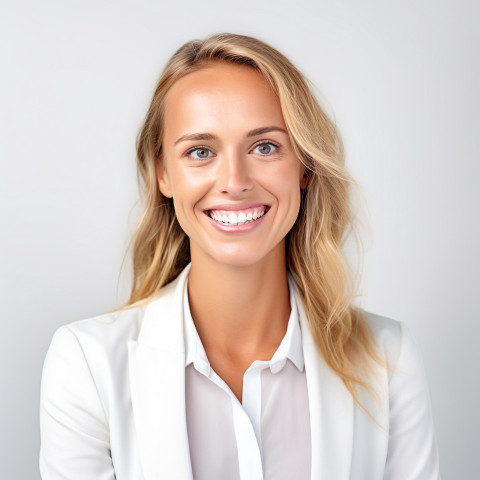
(242, 310)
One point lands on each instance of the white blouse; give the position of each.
(267, 436)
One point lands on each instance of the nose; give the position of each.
(234, 175)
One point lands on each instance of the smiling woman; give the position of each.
(236, 194)
(239, 354)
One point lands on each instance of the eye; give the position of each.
(201, 153)
(265, 148)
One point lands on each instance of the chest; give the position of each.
(265, 437)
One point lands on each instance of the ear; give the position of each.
(163, 180)
(304, 179)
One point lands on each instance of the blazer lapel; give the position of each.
(157, 377)
(331, 410)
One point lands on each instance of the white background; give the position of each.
(401, 78)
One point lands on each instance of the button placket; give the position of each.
(249, 456)
(252, 397)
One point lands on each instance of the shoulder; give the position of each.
(86, 356)
(110, 333)
(101, 343)
(95, 340)
(89, 358)
(397, 348)
(387, 334)
(106, 331)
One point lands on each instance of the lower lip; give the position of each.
(246, 227)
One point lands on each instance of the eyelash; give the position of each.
(267, 142)
(198, 147)
(202, 147)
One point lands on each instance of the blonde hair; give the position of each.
(314, 245)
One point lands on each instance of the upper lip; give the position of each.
(237, 206)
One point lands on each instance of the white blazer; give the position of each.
(113, 402)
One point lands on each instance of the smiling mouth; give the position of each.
(237, 217)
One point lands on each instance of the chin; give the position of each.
(238, 260)
(236, 254)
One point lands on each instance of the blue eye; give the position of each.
(265, 148)
(200, 152)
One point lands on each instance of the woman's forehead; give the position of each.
(221, 95)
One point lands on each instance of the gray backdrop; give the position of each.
(402, 80)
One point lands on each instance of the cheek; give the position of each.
(189, 187)
(284, 181)
(288, 188)
(185, 184)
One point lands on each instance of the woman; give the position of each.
(239, 354)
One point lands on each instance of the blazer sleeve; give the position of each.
(75, 442)
(412, 450)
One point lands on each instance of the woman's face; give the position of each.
(228, 164)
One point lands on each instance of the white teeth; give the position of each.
(237, 219)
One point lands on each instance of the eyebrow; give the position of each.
(209, 136)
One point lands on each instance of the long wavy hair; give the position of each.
(314, 244)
